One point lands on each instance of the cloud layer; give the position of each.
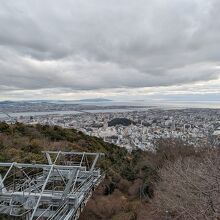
(85, 46)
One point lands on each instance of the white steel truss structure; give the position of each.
(57, 190)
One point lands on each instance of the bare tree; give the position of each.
(190, 188)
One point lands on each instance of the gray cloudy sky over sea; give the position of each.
(73, 49)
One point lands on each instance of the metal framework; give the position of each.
(56, 190)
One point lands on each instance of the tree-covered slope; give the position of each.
(138, 185)
(125, 172)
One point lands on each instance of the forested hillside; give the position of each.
(120, 121)
(138, 185)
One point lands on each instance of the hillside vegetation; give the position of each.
(138, 185)
(120, 121)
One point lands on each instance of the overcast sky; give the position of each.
(73, 49)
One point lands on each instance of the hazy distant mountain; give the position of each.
(55, 101)
(95, 100)
(6, 102)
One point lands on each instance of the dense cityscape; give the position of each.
(136, 129)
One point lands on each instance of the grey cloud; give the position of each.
(88, 45)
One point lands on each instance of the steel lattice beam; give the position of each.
(49, 191)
